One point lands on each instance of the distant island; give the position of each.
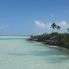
(54, 38)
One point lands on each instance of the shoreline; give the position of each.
(49, 45)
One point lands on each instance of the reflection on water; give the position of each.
(21, 54)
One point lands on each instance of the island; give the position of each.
(54, 38)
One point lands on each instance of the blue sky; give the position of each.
(23, 17)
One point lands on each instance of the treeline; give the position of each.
(53, 39)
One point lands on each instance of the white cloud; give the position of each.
(64, 24)
(40, 25)
(46, 26)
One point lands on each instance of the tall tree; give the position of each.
(68, 29)
(53, 26)
(58, 27)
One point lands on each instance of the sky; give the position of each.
(26, 17)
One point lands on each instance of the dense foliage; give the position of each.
(60, 39)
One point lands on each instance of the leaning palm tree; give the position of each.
(53, 26)
(58, 27)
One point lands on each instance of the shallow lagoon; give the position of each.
(18, 53)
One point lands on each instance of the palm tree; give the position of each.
(53, 26)
(68, 29)
(58, 27)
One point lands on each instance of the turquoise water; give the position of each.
(18, 53)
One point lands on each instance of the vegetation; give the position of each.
(68, 29)
(55, 26)
(55, 38)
